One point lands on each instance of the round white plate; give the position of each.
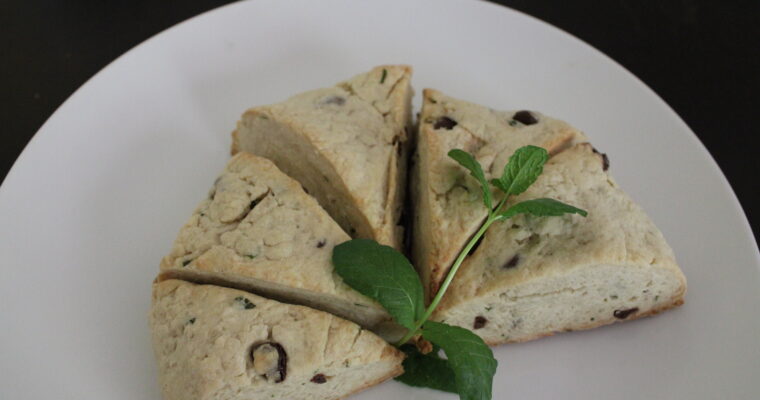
(97, 197)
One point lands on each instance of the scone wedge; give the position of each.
(533, 276)
(224, 344)
(259, 231)
(346, 144)
(448, 205)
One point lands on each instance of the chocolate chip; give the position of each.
(337, 100)
(512, 262)
(445, 123)
(304, 189)
(526, 117)
(623, 314)
(605, 159)
(319, 378)
(480, 321)
(186, 263)
(321, 243)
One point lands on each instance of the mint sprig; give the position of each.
(384, 274)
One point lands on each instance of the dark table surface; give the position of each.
(702, 57)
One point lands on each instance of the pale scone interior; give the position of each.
(346, 144)
(533, 276)
(219, 343)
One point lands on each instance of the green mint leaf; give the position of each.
(427, 370)
(383, 274)
(499, 184)
(541, 208)
(468, 356)
(523, 168)
(466, 160)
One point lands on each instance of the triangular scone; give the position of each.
(224, 344)
(346, 144)
(449, 206)
(259, 231)
(533, 276)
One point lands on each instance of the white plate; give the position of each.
(97, 197)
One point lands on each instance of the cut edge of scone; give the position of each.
(218, 343)
(498, 321)
(308, 157)
(247, 234)
(436, 245)
(536, 276)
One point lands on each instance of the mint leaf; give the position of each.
(499, 184)
(384, 274)
(523, 168)
(541, 208)
(466, 160)
(468, 356)
(427, 370)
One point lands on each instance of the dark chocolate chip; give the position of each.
(605, 159)
(512, 261)
(319, 378)
(480, 321)
(337, 100)
(186, 263)
(191, 321)
(623, 314)
(304, 189)
(445, 123)
(321, 243)
(526, 117)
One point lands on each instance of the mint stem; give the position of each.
(492, 217)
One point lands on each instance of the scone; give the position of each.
(346, 144)
(533, 276)
(224, 344)
(259, 231)
(448, 202)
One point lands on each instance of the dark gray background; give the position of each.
(702, 57)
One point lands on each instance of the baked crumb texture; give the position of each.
(219, 343)
(258, 230)
(346, 144)
(531, 277)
